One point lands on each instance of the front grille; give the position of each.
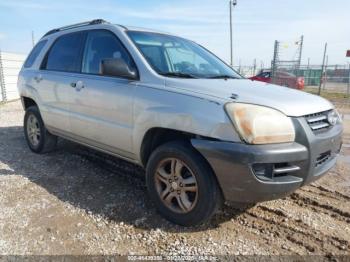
(318, 121)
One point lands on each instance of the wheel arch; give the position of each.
(27, 102)
(156, 136)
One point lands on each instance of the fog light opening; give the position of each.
(271, 171)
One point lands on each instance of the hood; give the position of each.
(289, 101)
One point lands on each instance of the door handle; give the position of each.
(38, 78)
(79, 85)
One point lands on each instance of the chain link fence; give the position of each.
(334, 78)
(10, 65)
(248, 71)
(330, 78)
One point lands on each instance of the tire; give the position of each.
(183, 207)
(38, 138)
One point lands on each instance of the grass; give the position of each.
(327, 94)
(340, 100)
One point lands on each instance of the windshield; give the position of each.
(177, 57)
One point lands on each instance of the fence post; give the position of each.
(254, 66)
(2, 81)
(322, 71)
(325, 73)
(274, 61)
(348, 89)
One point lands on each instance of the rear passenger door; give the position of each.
(59, 69)
(101, 114)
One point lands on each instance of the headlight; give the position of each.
(337, 116)
(259, 124)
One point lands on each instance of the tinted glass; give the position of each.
(34, 54)
(264, 74)
(101, 44)
(65, 54)
(178, 57)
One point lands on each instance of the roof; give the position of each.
(100, 22)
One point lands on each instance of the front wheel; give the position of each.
(38, 138)
(182, 184)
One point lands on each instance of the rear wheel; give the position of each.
(38, 138)
(182, 185)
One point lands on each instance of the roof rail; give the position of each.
(92, 22)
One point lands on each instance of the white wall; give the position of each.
(11, 65)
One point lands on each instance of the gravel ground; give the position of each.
(79, 202)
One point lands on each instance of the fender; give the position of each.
(156, 108)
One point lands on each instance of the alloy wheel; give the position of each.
(176, 185)
(33, 130)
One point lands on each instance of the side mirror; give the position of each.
(117, 67)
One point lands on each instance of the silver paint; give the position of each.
(113, 114)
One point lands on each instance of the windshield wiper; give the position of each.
(222, 77)
(178, 74)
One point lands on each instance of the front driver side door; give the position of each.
(101, 114)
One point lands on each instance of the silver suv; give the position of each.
(203, 133)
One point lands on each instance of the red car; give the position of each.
(282, 78)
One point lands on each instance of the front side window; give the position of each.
(100, 45)
(178, 57)
(34, 54)
(264, 75)
(65, 54)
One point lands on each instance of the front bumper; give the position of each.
(305, 160)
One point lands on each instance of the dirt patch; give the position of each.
(77, 201)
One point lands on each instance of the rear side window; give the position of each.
(65, 54)
(34, 54)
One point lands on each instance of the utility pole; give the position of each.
(322, 71)
(232, 4)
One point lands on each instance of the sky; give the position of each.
(256, 24)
